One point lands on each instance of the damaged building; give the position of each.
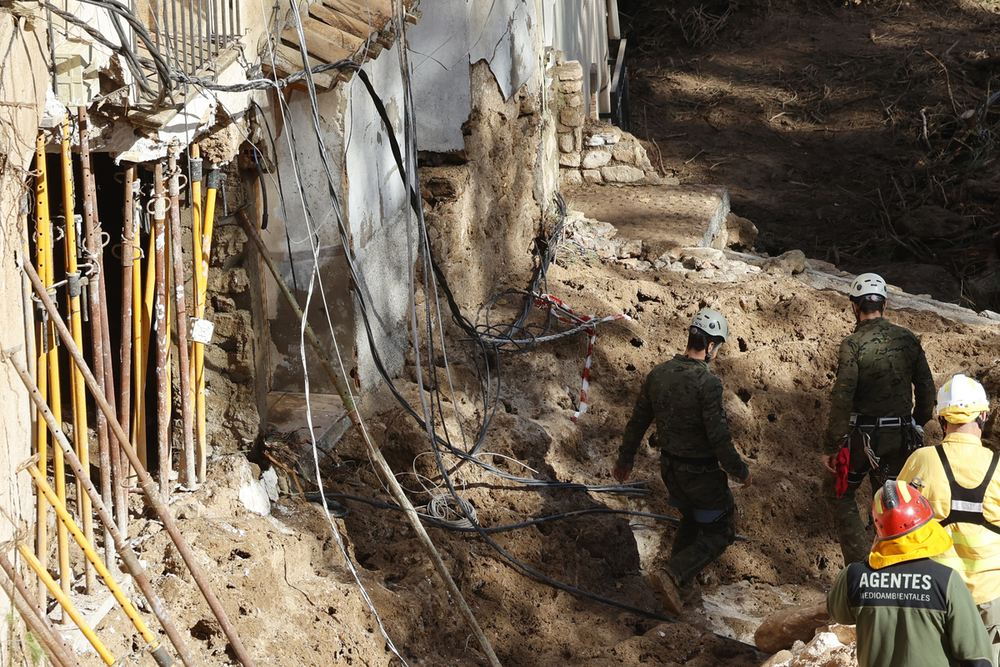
(214, 211)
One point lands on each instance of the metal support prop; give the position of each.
(80, 439)
(211, 190)
(36, 620)
(184, 370)
(145, 481)
(154, 646)
(146, 337)
(128, 254)
(139, 350)
(29, 310)
(55, 396)
(43, 240)
(200, 289)
(66, 604)
(128, 556)
(117, 476)
(93, 241)
(162, 334)
(376, 454)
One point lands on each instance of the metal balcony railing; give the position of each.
(192, 33)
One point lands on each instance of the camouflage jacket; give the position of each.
(881, 364)
(685, 398)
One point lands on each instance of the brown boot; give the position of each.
(670, 596)
(691, 594)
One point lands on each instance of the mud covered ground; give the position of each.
(294, 600)
(813, 114)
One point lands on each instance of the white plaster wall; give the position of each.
(379, 212)
(579, 28)
(374, 210)
(451, 36)
(510, 35)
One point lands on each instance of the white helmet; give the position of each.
(868, 284)
(712, 323)
(961, 399)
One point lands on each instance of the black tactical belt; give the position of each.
(693, 460)
(865, 420)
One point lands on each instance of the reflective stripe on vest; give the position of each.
(967, 504)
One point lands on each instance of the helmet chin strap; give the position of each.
(710, 351)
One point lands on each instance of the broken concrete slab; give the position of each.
(897, 298)
(666, 217)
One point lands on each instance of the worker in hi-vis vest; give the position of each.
(961, 481)
(909, 610)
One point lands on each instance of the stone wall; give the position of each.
(23, 80)
(591, 150)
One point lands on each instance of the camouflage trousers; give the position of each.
(708, 517)
(990, 613)
(887, 444)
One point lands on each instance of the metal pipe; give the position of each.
(28, 308)
(36, 620)
(66, 604)
(114, 450)
(152, 643)
(148, 314)
(46, 248)
(162, 334)
(205, 256)
(145, 481)
(376, 454)
(200, 286)
(80, 432)
(128, 556)
(42, 241)
(96, 337)
(129, 253)
(184, 369)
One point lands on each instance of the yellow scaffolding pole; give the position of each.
(79, 388)
(66, 604)
(154, 646)
(42, 241)
(200, 290)
(205, 253)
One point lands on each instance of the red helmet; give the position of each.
(898, 509)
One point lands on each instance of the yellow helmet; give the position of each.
(961, 399)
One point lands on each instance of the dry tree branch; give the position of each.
(947, 78)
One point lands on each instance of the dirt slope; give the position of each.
(811, 114)
(286, 585)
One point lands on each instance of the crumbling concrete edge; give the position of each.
(821, 280)
(718, 221)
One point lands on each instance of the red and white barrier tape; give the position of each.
(589, 324)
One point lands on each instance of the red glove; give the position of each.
(843, 465)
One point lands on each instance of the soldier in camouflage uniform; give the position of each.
(881, 367)
(696, 452)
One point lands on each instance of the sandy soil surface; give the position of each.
(288, 589)
(812, 116)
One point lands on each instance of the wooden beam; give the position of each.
(323, 41)
(375, 13)
(340, 21)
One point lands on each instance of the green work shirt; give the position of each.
(881, 366)
(912, 614)
(685, 398)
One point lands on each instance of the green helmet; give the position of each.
(711, 322)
